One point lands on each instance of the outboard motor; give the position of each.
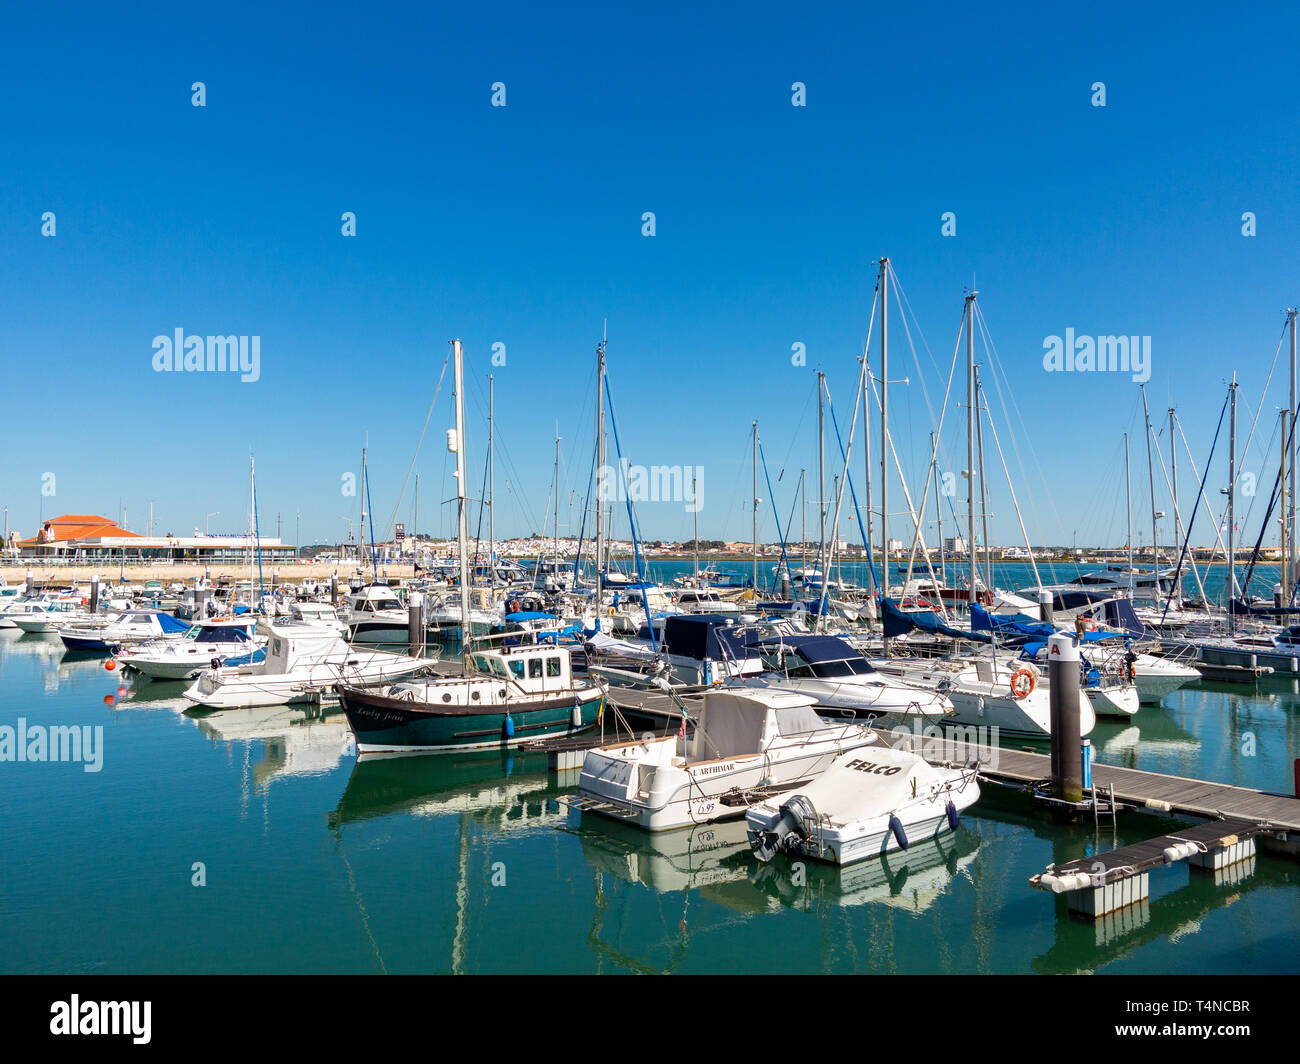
(797, 823)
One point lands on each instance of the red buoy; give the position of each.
(110, 664)
(108, 700)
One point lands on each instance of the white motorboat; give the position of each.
(47, 617)
(207, 644)
(129, 628)
(867, 803)
(745, 744)
(377, 616)
(842, 681)
(303, 662)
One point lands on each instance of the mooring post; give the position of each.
(334, 589)
(1045, 606)
(31, 581)
(1063, 696)
(1296, 766)
(415, 625)
(94, 594)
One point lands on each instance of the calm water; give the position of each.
(315, 863)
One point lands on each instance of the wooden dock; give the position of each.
(1150, 792)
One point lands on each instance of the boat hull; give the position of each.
(393, 725)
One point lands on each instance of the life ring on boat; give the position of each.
(1023, 683)
(512, 606)
(613, 611)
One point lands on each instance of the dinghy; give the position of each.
(867, 803)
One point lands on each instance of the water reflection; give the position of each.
(296, 740)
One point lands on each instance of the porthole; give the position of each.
(446, 698)
(474, 695)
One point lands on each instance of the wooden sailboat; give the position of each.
(507, 695)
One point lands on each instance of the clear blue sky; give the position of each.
(522, 225)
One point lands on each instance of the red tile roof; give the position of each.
(76, 527)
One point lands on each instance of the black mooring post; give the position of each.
(1064, 693)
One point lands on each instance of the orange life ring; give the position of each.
(1018, 689)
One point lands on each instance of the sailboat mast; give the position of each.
(600, 466)
(1232, 496)
(884, 435)
(361, 555)
(695, 547)
(938, 512)
(252, 523)
(984, 498)
(803, 522)
(1281, 516)
(970, 447)
(1173, 475)
(821, 473)
(866, 461)
(492, 538)
(754, 463)
(1291, 516)
(462, 498)
(1128, 515)
(556, 569)
(1151, 477)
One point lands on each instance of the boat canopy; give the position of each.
(703, 635)
(897, 622)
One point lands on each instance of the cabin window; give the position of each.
(517, 668)
(534, 668)
(552, 666)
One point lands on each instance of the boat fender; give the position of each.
(952, 816)
(577, 713)
(509, 727)
(896, 826)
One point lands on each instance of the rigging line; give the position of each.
(392, 520)
(999, 377)
(920, 373)
(1262, 396)
(1218, 529)
(1033, 564)
(911, 508)
(1178, 571)
(934, 450)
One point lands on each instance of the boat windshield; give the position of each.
(491, 665)
(828, 670)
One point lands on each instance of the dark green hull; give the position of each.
(383, 724)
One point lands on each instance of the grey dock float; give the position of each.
(1230, 673)
(1106, 882)
(1151, 792)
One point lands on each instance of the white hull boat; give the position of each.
(866, 804)
(303, 663)
(746, 744)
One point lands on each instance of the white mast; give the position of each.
(1232, 495)
(457, 444)
(600, 464)
(492, 539)
(1155, 541)
(970, 445)
(884, 437)
(754, 584)
(1291, 515)
(1128, 515)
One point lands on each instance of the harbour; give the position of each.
(551, 494)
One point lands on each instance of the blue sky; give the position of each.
(522, 225)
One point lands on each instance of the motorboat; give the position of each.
(377, 616)
(207, 644)
(865, 804)
(510, 695)
(745, 745)
(303, 662)
(841, 680)
(46, 617)
(129, 628)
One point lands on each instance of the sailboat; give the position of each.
(508, 694)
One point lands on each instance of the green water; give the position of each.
(315, 863)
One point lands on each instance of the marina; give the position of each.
(553, 492)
